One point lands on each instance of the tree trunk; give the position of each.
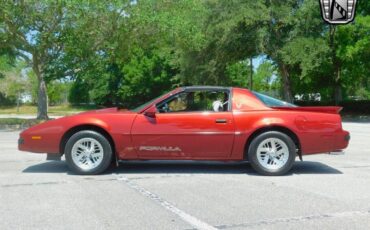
(251, 74)
(337, 87)
(286, 83)
(42, 96)
(18, 101)
(338, 94)
(42, 100)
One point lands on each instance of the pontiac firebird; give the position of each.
(192, 123)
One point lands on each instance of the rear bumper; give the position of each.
(342, 140)
(348, 137)
(338, 152)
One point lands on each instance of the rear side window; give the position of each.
(272, 102)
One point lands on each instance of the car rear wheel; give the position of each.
(272, 153)
(88, 152)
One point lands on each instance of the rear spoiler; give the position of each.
(318, 109)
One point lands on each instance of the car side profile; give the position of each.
(192, 123)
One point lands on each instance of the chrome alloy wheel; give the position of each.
(87, 153)
(272, 153)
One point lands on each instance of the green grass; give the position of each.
(59, 110)
(19, 121)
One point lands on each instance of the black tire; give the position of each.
(252, 153)
(107, 152)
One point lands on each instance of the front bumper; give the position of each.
(20, 141)
(38, 143)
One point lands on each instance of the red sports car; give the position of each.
(192, 123)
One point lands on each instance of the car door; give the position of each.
(191, 130)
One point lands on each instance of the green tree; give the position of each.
(130, 57)
(126, 52)
(146, 75)
(230, 30)
(237, 73)
(266, 78)
(13, 83)
(353, 52)
(58, 92)
(79, 92)
(32, 30)
(287, 21)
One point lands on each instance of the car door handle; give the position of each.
(221, 121)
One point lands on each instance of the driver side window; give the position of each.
(190, 101)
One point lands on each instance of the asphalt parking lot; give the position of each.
(323, 192)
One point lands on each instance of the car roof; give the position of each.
(219, 88)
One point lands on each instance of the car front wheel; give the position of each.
(88, 152)
(272, 153)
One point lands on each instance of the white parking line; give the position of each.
(193, 221)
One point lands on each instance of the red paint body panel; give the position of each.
(196, 135)
(320, 109)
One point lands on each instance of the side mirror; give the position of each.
(151, 111)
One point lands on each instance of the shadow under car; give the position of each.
(185, 167)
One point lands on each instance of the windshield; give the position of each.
(139, 108)
(272, 102)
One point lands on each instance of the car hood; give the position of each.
(107, 110)
(92, 114)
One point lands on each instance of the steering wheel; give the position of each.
(166, 108)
